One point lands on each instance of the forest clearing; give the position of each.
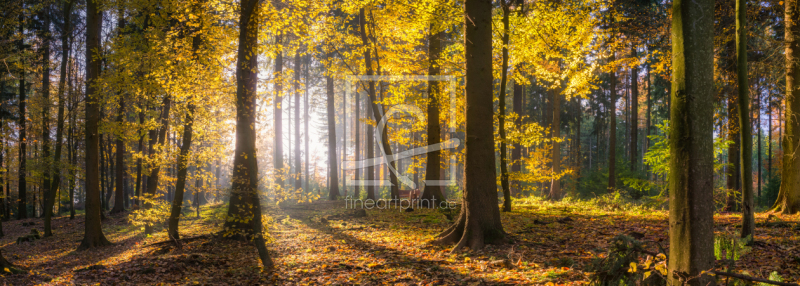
(387, 247)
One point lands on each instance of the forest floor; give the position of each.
(324, 243)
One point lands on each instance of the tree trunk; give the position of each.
(501, 109)
(691, 204)
(758, 134)
(433, 192)
(788, 201)
(278, 118)
(745, 133)
(245, 206)
(186, 146)
(634, 119)
(22, 208)
(333, 175)
(93, 231)
(516, 153)
(119, 197)
(612, 129)
(298, 179)
(305, 124)
(49, 194)
(733, 153)
(479, 221)
(555, 184)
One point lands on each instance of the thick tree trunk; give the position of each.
(244, 210)
(745, 133)
(501, 116)
(245, 206)
(479, 221)
(691, 204)
(612, 129)
(788, 201)
(433, 192)
(93, 232)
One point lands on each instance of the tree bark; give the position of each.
(788, 201)
(333, 175)
(49, 194)
(298, 174)
(745, 133)
(733, 182)
(516, 153)
(93, 231)
(479, 220)
(245, 206)
(278, 118)
(612, 129)
(432, 193)
(22, 208)
(501, 109)
(691, 204)
(634, 143)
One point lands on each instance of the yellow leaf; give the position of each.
(646, 274)
(633, 268)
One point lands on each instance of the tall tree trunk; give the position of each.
(278, 118)
(22, 208)
(612, 129)
(119, 197)
(57, 166)
(634, 143)
(186, 146)
(691, 204)
(555, 183)
(93, 232)
(516, 153)
(433, 192)
(501, 109)
(138, 192)
(769, 137)
(358, 151)
(245, 205)
(745, 133)
(647, 123)
(788, 201)
(333, 171)
(758, 134)
(48, 193)
(479, 220)
(733, 152)
(376, 109)
(298, 179)
(305, 123)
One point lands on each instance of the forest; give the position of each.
(411, 142)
